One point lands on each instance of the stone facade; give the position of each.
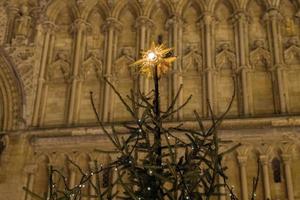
(54, 52)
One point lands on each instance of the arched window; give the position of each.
(276, 170)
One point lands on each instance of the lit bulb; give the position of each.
(92, 174)
(151, 56)
(116, 169)
(148, 188)
(187, 197)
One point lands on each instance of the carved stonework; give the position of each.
(121, 65)
(23, 57)
(23, 26)
(225, 57)
(292, 52)
(60, 69)
(259, 56)
(3, 21)
(192, 60)
(92, 66)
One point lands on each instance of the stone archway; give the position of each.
(11, 95)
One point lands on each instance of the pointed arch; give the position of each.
(166, 5)
(200, 6)
(101, 6)
(56, 7)
(264, 3)
(133, 6)
(233, 5)
(11, 94)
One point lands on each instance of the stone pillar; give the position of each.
(175, 25)
(264, 161)
(110, 27)
(72, 175)
(273, 19)
(48, 29)
(46, 83)
(286, 158)
(241, 22)
(207, 27)
(79, 28)
(12, 11)
(30, 171)
(242, 160)
(143, 24)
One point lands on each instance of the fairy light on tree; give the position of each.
(162, 173)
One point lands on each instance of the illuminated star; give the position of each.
(155, 56)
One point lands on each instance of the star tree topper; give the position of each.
(156, 56)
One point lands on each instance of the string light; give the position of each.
(149, 188)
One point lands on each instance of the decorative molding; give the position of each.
(92, 65)
(224, 56)
(12, 93)
(121, 65)
(59, 69)
(292, 51)
(260, 55)
(192, 60)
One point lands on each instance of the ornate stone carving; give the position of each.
(121, 65)
(192, 60)
(260, 56)
(92, 65)
(292, 51)
(23, 25)
(225, 55)
(23, 58)
(59, 69)
(3, 21)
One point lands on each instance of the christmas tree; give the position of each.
(155, 161)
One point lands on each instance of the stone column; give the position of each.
(79, 28)
(30, 171)
(48, 29)
(72, 175)
(286, 158)
(143, 24)
(110, 27)
(207, 26)
(273, 19)
(46, 83)
(12, 11)
(241, 23)
(175, 25)
(264, 161)
(242, 160)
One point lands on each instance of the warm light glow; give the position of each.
(155, 56)
(151, 56)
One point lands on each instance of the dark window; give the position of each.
(276, 170)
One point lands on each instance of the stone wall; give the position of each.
(58, 51)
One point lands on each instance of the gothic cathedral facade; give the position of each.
(54, 52)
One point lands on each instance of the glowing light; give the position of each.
(152, 56)
(156, 56)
